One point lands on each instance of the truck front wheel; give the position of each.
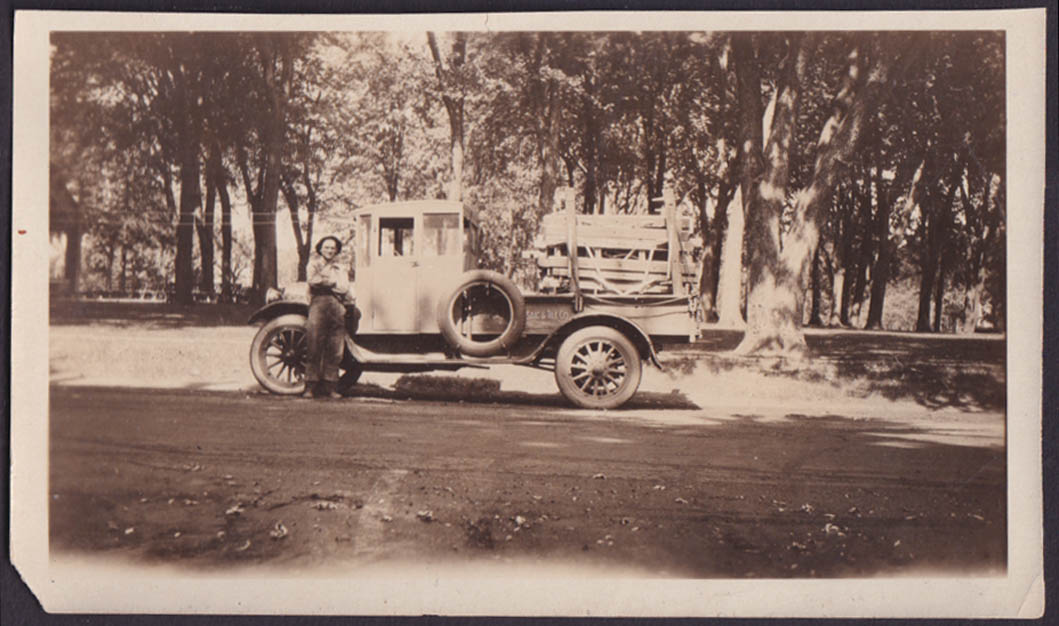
(598, 368)
(278, 354)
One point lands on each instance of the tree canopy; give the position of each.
(857, 160)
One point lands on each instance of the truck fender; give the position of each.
(629, 328)
(273, 310)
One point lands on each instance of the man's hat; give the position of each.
(320, 244)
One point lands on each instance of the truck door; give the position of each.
(440, 262)
(394, 270)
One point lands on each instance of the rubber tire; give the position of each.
(257, 354)
(507, 338)
(564, 378)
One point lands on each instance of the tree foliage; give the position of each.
(857, 160)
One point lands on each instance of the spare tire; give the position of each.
(482, 294)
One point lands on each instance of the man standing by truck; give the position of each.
(328, 287)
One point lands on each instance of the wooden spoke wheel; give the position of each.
(598, 368)
(279, 352)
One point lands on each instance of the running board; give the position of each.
(371, 360)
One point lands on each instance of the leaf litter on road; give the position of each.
(279, 531)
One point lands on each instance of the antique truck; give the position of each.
(612, 289)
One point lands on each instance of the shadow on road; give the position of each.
(485, 391)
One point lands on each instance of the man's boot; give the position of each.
(310, 389)
(327, 390)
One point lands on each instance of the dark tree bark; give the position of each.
(934, 232)
(549, 148)
(453, 100)
(939, 296)
(122, 284)
(713, 242)
(65, 215)
(841, 283)
(205, 228)
(814, 286)
(190, 199)
(593, 200)
(302, 242)
(72, 258)
(187, 139)
(277, 70)
(217, 176)
(867, 244)
(908, 178)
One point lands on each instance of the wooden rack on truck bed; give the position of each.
(618, 255)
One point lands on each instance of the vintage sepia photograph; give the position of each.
(634, 314)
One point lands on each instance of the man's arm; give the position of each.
(318, 275)
(341, 281)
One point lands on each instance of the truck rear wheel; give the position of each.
(598, 368)
(484, 315)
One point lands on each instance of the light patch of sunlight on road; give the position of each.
(970, 435)
(654, 417)
(542, 444)
(606, 439)
(907, 445)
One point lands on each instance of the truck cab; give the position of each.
(406, 256)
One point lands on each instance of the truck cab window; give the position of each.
(396, 236)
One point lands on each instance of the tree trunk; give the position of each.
(110, 267)
(814, 285)
(838, 291)
(774, 307)
(935, 231)
(265, 271)
(220, 182)
(880, 273)
(972, 308)
(939, 296)
(593, 193)
(454, 105)
(72, 258)
(774, 298)
(206, 244)
(190, 198)
(302, 243)
(122, 284)
(730, 268)
(549, 149)
(928, 269)
(867, 247)
(711, 254)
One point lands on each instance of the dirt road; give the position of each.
(204, 479)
